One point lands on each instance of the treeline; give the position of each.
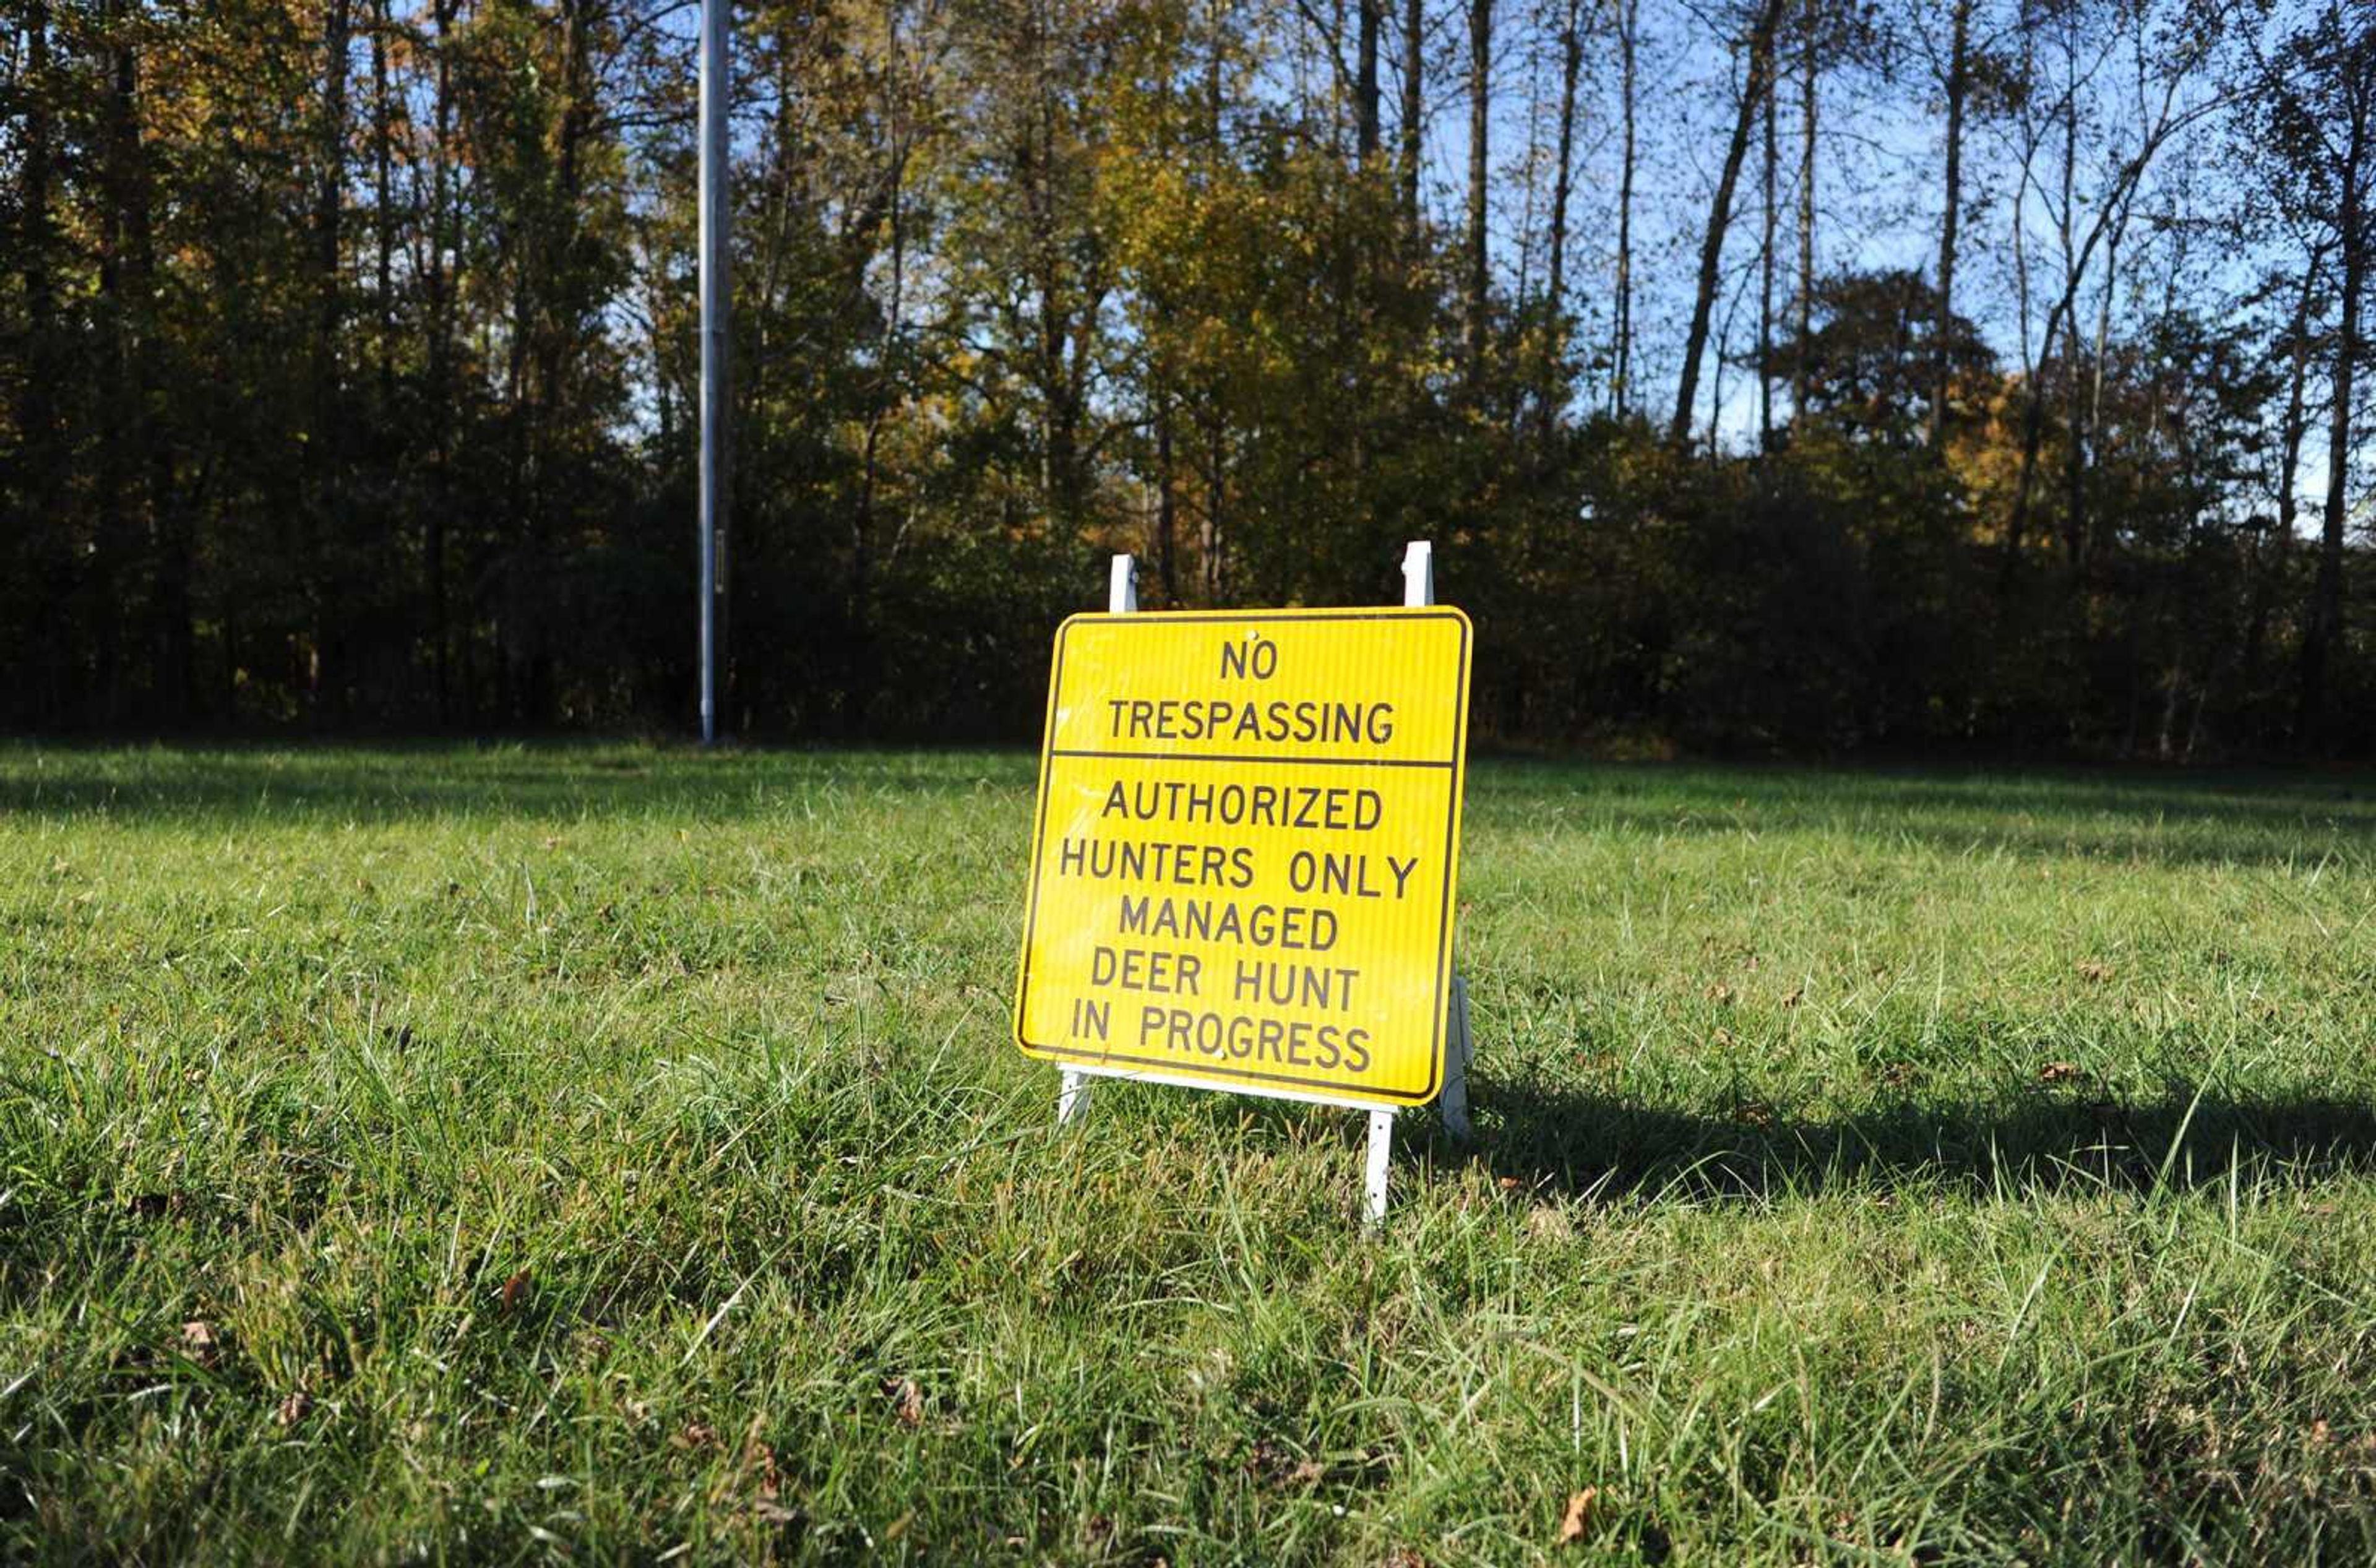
(1796, 374)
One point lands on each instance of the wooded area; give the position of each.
(1787, 374)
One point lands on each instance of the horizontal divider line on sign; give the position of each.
(1291, 761)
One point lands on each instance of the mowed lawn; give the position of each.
(618, 1155)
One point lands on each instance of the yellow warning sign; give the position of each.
(1246, 850)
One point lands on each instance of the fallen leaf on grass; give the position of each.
(2095, 973)
(1720, 993)
(907, 1400)
(200, 1341)
(2058, 1072)
(293, 1409)
(1579, 1515)
(1798, 995)
(696, 1436)
(515, 1291)
(1754, 1115)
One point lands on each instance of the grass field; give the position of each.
(618, 1155)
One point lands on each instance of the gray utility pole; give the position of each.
(717, 310)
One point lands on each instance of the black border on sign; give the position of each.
(1456, 764)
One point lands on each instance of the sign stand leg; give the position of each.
(1382, 1143)
(1418, 588)
(1122, 599)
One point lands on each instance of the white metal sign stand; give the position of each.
(1073, 1094)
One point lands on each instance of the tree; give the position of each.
(2317, 116)
(1756, 81)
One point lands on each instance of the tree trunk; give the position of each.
(439, 376)
(172, 636)
(1562, 182)
(1756, 83)
(2291, 431)
(1957, 89)
(120, 295)
(1481, 105)
(325, 453)
(1810, 54)
(1366, 80)
(36, 432)
(1166, 509)
(1765, 289)
(1622, 323)
(2324, 629)
(2085, 413)
(1414, 109)
(383, 116)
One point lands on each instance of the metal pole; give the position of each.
(1122, 599)
(716, 313)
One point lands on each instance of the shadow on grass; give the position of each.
(1567, 1141)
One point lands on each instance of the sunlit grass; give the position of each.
(488, 1154)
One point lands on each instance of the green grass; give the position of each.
(606, 1153)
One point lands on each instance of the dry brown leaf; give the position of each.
(1724, 1040)
(2094, 972)
(907, 1400)
(1579, 1515)
(1798, 995)
(201, 1342)
(294, 1409)
(1752, 1114)
(1307, 1473)
(514, 1292)
(1720, 993)
(2058, 1072)
(696, 1435)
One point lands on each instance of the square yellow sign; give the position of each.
(1247, 848)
